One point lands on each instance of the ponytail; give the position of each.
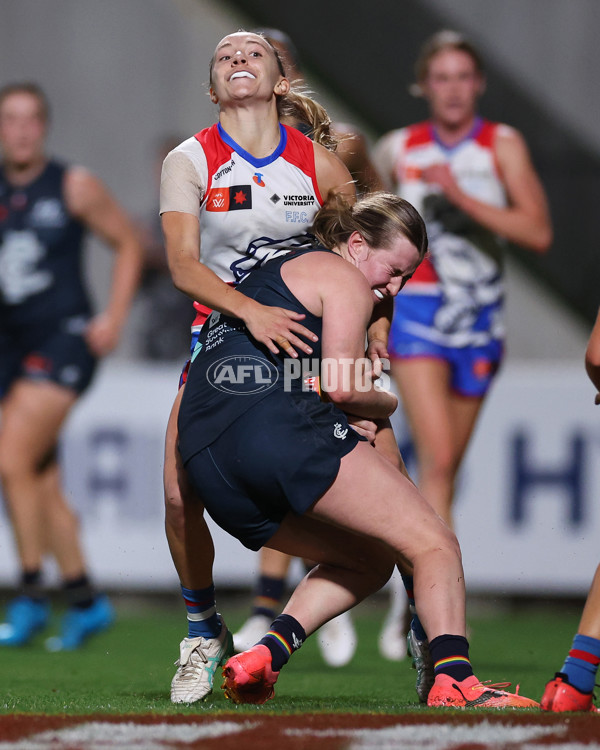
(297, 104)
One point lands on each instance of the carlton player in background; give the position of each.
(50, 342)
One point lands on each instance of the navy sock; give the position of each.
(415, 622)
(450, 654)
(582, 662)
(79, 592)
(202, 616)
(31, 585)
(285, 636)
(268, 595)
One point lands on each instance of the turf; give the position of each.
(128, 669)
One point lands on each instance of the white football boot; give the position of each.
(197, 664)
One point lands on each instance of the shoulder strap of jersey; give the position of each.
(215, 149)
(419, 134)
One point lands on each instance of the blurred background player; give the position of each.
(49, 346)
(337, 639)
(572, 688)
(225, 210)
(160, 307)
(475, 185)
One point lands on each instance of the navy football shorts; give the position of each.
(278, 457)
(54, 351)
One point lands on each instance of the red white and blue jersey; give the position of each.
(249, 209)
(464, 266)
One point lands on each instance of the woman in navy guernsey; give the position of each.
(49, 344)
(233, 197)
(277, 464)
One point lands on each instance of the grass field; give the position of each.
(128, 669)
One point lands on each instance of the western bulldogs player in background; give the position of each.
(49, 344)
(475, 185)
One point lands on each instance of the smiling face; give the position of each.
(386, 269)
(22, 129)
(452, 86)
(245, 66)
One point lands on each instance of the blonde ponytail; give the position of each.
(298, 105)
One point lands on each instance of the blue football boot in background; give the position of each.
(24, 618)
(80, 623)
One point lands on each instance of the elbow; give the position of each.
(178, 276)
(348, 400)
(592, 362)
(178, 284)
(542, 240)
(340, 398)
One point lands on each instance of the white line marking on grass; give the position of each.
(100, 735)
(441, 736)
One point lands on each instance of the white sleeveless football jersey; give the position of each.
(459, 247)
(249, 209)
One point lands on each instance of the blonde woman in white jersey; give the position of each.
(233, 196)
(475, 185)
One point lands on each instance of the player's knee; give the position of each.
(14, 465)
(447, 541)
(182, 507)
(440, 465)
(439, 540)
(174, 507)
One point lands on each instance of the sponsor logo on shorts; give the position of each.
(483, 368)
(70, 375)
(37, 363)
(242, 375)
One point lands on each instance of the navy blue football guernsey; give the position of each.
(40, 252)
(231, 371)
